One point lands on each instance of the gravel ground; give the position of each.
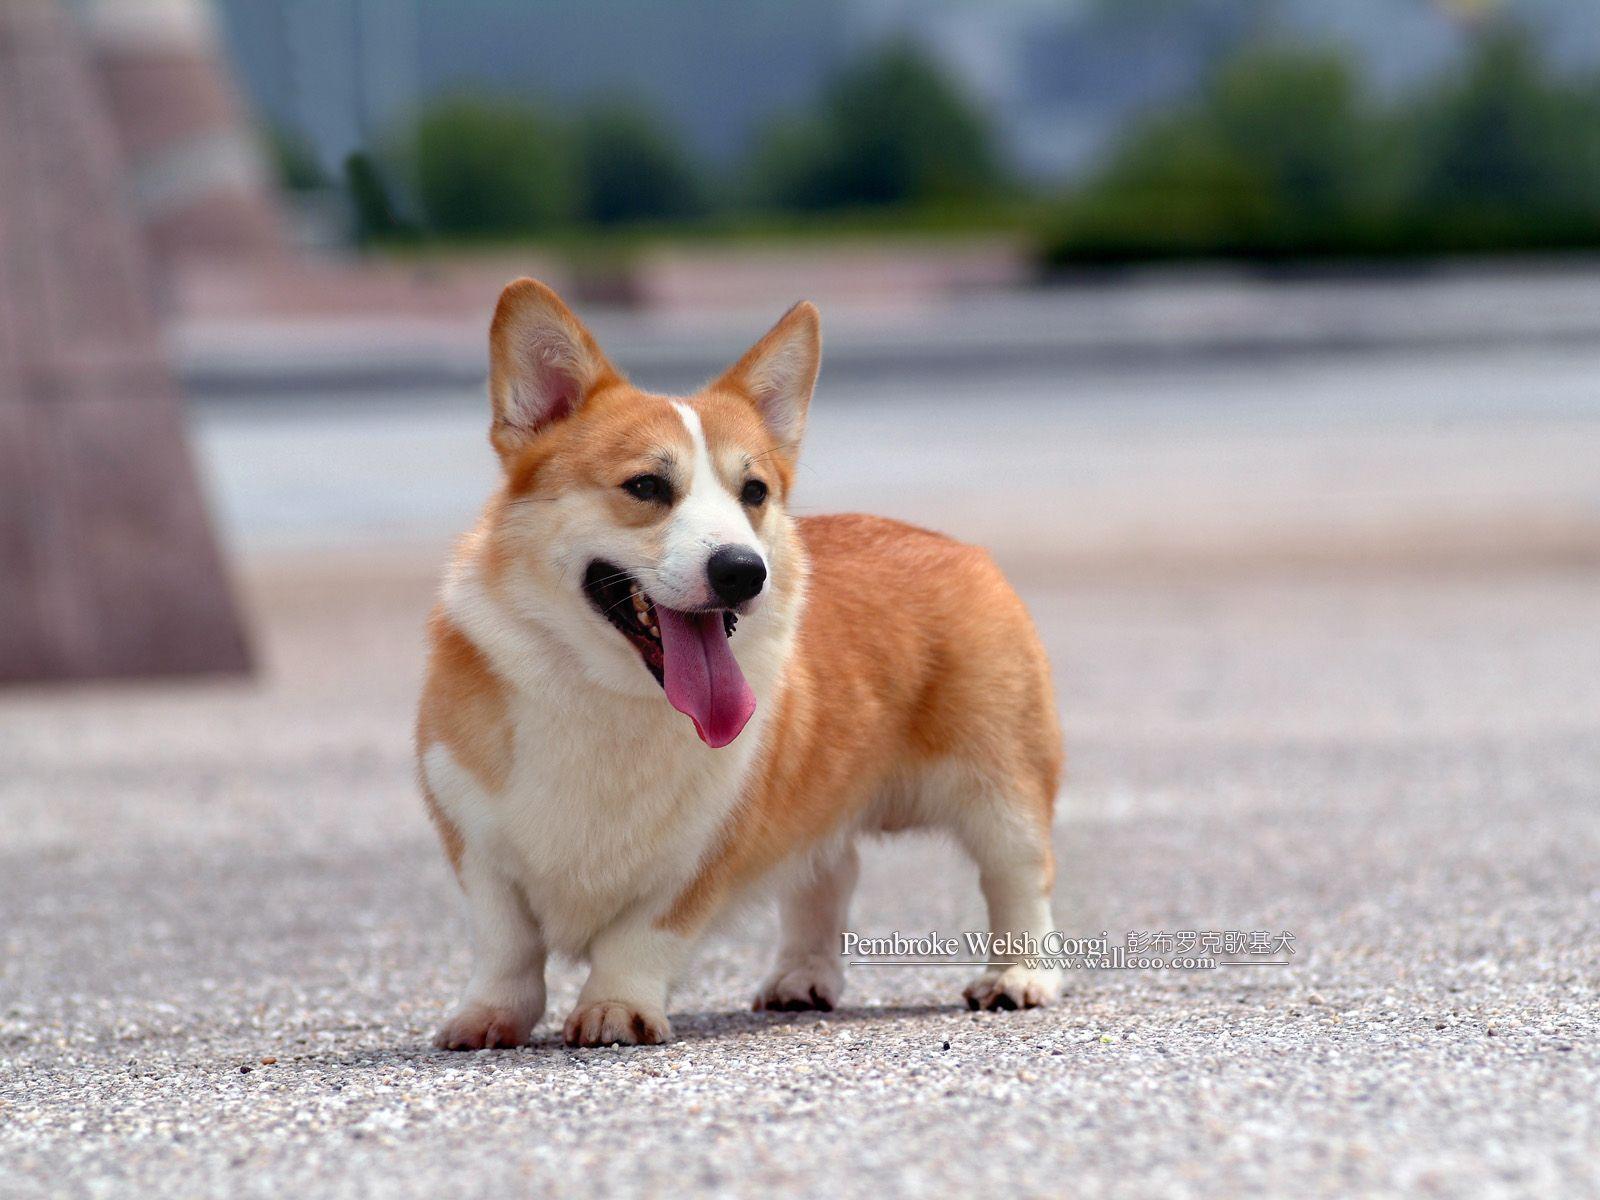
(228, 934)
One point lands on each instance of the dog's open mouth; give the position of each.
(687, 652)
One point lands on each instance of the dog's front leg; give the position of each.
(632, 963)
(505, 996)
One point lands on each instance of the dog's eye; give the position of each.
(649, 487)
(754, 493)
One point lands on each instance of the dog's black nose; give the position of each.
(736, 574)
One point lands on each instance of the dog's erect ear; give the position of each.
(779, 371)
(543, 364)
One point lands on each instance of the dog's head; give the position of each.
(644, 528)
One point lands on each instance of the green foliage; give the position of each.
(632, 168)
(373, 208)
(489, 168)
(496, 168)
(1507, 153)
(1177, 192)
(1280, 153)
(1283, 155)
(893, 129)
(293, 161)
(1299, 118)
(789, 167)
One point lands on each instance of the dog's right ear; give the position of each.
(543, 364)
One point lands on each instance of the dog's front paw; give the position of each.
(1013, 987)
(815, 982)
(614, 1022)
(485, 1027)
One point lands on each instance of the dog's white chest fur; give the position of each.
(618, 813)
(611, 802)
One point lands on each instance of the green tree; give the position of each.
(631, 167)
(1280, 154)
(487, 167)
(1283, 155)
(1177, 190)
(891, 129)
(1299, 118)
(293, 161)
(376, 218)
(1508, 153)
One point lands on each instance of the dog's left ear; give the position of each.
(779, 372)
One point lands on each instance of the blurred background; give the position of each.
(1260, 339)
(1072, 211)
(1045, 222)
(1084, 131)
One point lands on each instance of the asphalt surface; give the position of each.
(226, 933)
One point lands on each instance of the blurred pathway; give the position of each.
(1417, 456)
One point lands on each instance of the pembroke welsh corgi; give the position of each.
(651, 689)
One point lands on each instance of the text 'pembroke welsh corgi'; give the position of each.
(651, 689)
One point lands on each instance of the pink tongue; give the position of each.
(702, 679)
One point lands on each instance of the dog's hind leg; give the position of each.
(810, 970)
(1009, 839)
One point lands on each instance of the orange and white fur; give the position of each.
(840, 676)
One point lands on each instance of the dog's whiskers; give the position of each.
(616, 575)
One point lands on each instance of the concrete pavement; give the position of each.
(1324, 636)
(229, 934)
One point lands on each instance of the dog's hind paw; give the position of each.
(816, 982)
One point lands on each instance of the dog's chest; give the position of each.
(604, 810)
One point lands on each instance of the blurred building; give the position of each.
(107, 557)
(334, 72)
(343, 73)
(195, 172)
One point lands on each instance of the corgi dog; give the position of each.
(651, 691)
